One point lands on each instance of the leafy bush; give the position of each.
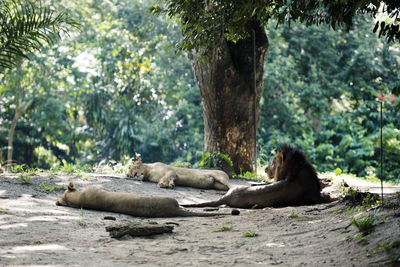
(337, 171)
(250, 176)
(216, 159)
(182, 165)
(370, 199)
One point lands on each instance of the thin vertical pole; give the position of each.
(253, 33)
(381, 124)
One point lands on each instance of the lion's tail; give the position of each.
(204, 204)
(188, 213)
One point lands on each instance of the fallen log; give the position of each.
(138, 229)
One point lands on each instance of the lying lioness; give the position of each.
(168, 176)
(141, 206)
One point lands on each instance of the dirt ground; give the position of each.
(36, 232)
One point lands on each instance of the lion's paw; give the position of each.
(166, 185)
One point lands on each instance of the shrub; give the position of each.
(364, 224)
(216, 160)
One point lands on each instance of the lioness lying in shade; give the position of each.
(167, 176)
(296, 184)
(141, 206)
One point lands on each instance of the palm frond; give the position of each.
(26, 26)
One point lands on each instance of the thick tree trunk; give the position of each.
(225, 80)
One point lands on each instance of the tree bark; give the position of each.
(225, 80)
(19, 111)
(10, 142)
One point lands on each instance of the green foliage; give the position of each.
(337, 171)
(52, 189)
(224, 228)
(205, 161)
(205, 23)
(216, 160)
(26, 26)
(158, 123)
(294, 215)
(364, 199)
(213, 160)
(110, 91)
(351, 210)
(18, 168)
(77, 169)
(82, 175)
(323, 101)
(250, 234)
(26, 179)
(382, 246)
(351, 192)
(24, 169)
(370, 199)
(360, 239)
(365, 223)
(385, 247)
(250, 176)
(182, 165)
(67, 168)
(105, 95)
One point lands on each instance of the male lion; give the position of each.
(168, 176)
(296, 183)
(142, 206)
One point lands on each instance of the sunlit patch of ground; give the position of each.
(36, 232)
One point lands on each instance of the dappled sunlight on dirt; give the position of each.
(34, 231)
(9, 226)
(35, 248)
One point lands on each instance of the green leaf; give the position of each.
(396, 90)
(26, 27)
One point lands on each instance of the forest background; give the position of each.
(115, 88)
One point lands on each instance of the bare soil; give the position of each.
(36, 232)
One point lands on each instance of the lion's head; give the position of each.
(137, 171)
(277, 168)
(64, 200)
(292, 165)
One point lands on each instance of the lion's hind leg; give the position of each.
(168, 180)
(220, 184)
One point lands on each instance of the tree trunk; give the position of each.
(225, 80)
(10, 142)
(20, 109)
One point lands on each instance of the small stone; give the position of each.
(235, 212)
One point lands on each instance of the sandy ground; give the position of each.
(36, 232)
